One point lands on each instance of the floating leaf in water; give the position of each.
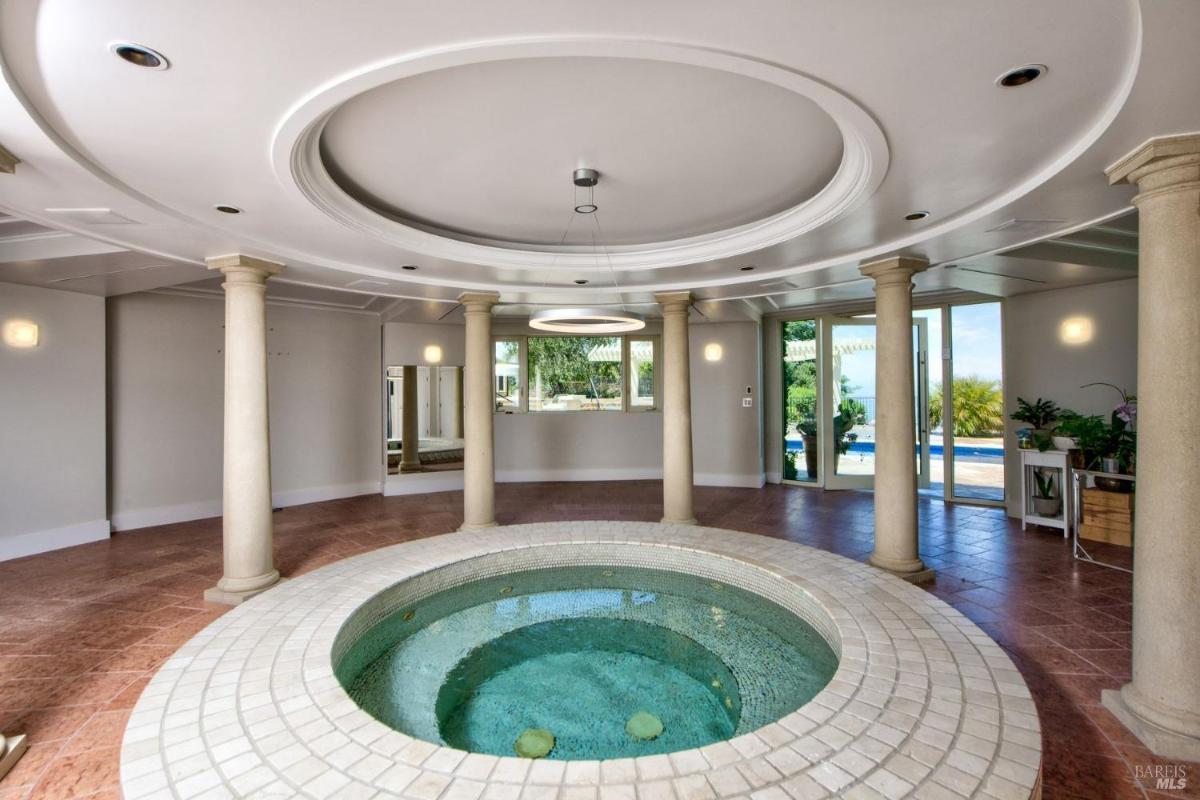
(534, 743)
(644, 726)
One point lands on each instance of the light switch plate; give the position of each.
(747, 402)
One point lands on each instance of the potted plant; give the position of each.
(1040, 415)
(1112, 446)
(1047, 500)
(850, 413)
(806, 412)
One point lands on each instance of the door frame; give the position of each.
(944, 365)
(827, 476)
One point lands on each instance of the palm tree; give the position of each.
(978, 406)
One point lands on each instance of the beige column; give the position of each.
(479, 464)
(895, 425)
(676, 409)
(457, 431)
(1161, 705)
(12, 747)
(247, 536)
(410, 441)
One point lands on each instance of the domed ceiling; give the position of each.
(743, 153)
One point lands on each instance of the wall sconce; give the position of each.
(713, 352)
(1075, 330)
(433, 354)
(20, 333)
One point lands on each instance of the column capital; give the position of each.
(674, 301)
(479, 301)
(8, 162)
(1159, 153)
(894, 270)
(246, 265)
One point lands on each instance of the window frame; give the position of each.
(627, 369)
(522, 341)
(522, 389)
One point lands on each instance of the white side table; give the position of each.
(1059, 460)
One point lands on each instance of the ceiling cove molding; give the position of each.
(201, 293)
(298, 165)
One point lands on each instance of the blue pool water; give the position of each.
(577, 652)
(986, 453)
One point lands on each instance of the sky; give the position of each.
(976, 340)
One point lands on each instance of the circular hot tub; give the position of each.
(628, 659)
(580, 653)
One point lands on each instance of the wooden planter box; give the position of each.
(1107, 517)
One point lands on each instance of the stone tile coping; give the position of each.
(923, 703)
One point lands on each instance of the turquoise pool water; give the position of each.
(578, 652)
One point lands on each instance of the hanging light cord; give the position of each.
(611, 269)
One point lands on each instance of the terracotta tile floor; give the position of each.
(82, 630)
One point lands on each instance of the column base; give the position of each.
(409, 468)
(234, 593)
(11, 750)
(1163, 742)
(688, 521)
(468, 527)
(913, 571)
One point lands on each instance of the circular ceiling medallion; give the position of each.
(484, 148)
(459, 154)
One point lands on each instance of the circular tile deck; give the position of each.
(923, 703)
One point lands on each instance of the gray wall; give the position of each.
(166, 391)
(52, 448)
(726, 435)
(616, 445)
(1037, 363)
(404, 343)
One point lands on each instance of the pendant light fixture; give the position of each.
(582, 319)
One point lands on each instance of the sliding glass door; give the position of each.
(975, 436)
(829, 401)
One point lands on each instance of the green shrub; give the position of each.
(978, 406)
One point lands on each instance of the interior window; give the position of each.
(574, 373)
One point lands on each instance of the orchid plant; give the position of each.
(1100, 439)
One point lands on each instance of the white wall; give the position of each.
(1037, 363)
(52, 448)
(166, 393)
(404, 343)
(726, 435)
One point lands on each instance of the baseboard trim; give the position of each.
(30, 544)
(165, 515)
(573, 475)
(729, 480)
(423, 483)
(319, 494)
(125, 521)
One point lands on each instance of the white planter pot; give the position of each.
(1047, 507)
(1063, 443)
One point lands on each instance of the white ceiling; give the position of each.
(711, 150)
(792, 137)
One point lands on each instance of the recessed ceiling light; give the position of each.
(224, 209)
(580, 282)
(139, 55)
(1021, 75)
(916, 215)
(408, 267)
(746, 269)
